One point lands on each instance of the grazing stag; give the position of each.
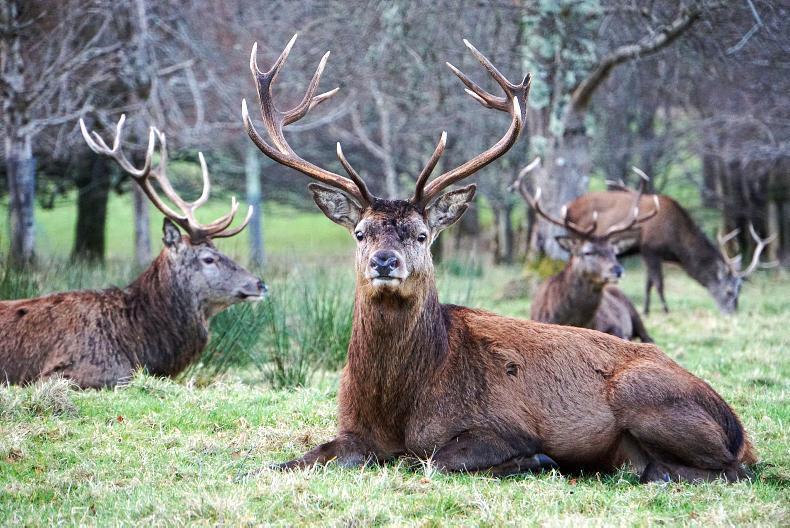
(159, 322)
(584, 293)
(670, 236)
(471, 390)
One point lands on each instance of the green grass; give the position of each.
(288, 232)
(160, 452)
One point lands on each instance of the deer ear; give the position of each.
(171, 235)
(567, 243)
(626, 240)
(449, 207)
(336, 205)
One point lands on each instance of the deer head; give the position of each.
(211, 278)
(593, 257)
(393, 236)
(729, 276)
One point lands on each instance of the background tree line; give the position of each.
(677, 87)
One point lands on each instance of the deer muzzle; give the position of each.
(386, 268)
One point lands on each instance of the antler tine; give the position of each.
(534, 202)
(426, 171)
(197, 232)
(309, 101)
(354, 175)
(96, 144)
(140, 176)
(761, 244)
(634, 217)
(723, 239)
(274, 120)
(514, 102)
(236, 230)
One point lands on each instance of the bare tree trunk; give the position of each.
(93, 190)
(252, 169)
(564, 177)
(503, 246)
(142, 227)
(20, 166)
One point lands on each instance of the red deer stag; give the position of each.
(159, 322)
(471, 390)
(584, 293)
(670, 236)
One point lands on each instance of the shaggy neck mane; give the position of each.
(157, 302)
(396, 343)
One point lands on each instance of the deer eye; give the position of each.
(208, 260)
(422, 237)
(359, 235)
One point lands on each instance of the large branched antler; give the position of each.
(633, 217)
(534, 201)
(589, 231)
(514, 103)
(274, 120)
(734, 262)
(197, 232)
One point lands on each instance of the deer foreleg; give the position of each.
(346, 450)
(489, 453)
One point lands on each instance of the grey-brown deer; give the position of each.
(584, 293)
(471, 390)
(671, 236)
(158, 323)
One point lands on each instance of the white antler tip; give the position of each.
(244, 113)
(339, 149)
(538, 191)
(517, 110)
(443, 138)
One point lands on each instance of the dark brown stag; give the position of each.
(670, 236)
(158, 323)
(471, 390)
(584, 293)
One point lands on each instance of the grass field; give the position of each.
(164, 453)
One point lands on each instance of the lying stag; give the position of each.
(584, 293)
(670, 236)
(159, 322)
(472, 390)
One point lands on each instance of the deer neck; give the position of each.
(702, 260)
(580, 296)
(168, 319)
(396, 343)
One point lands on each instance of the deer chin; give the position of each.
(386, 282)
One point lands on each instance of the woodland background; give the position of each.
(693, 92)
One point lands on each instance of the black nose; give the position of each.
(384, 262)
(617, 270)
(262, 286)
